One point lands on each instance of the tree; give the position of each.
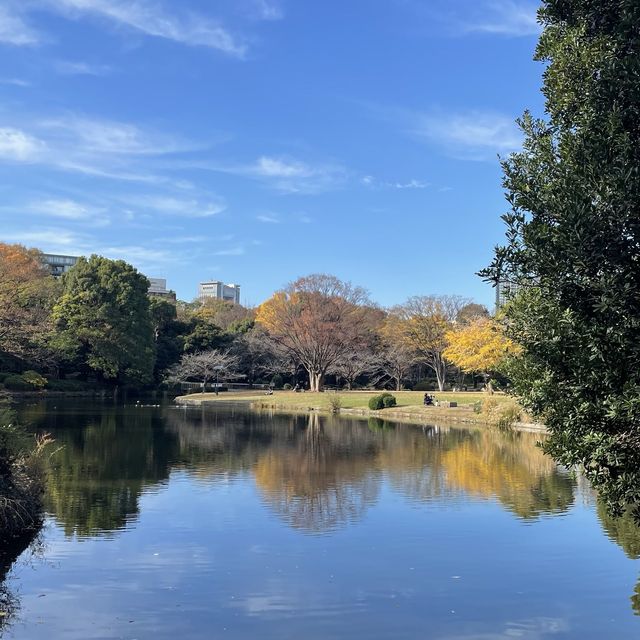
(27, 291)
(228, 316)
(478, 347)
(258, 354)
(168, 334)
(471, 312)
(205, 366)
(358, 362)
(103, 320)
(317, 320)
(421, 325)
(396, 363)
(203, 335)
(573, 243)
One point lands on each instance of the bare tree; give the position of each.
(353, 364)
(395, 363)
(259, 355)
(204, 367)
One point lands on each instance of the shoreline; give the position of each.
(412, 414)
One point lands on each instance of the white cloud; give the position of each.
(268, 218)
(268, 10)
(235, 251)
(50, 239)
(507, 18)
(288, 175)
(70, 68)
(18, 146)
(16, 82)
(279, 168)
(67, 209)
(150, 18)
(111, 137)
(473, 135)
(169, 205)
(15, 31)
(412, 184)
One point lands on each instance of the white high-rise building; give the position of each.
(214, 289)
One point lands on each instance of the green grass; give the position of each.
(349, 399)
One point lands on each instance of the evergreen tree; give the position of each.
(103, 320)
(573, 244)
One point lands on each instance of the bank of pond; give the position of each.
(167, 521)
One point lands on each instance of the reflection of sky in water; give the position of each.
(408, 546)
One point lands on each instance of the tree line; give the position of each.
(98, 324)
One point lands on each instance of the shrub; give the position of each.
(71, 385)
(277, 381)
(388, 401)
(34, 379)
(424, 385)
(17, 383)
(287, 386)
(376, 403)
(335, 403)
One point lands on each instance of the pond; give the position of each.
(167, 522)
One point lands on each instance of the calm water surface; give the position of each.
(166, 522)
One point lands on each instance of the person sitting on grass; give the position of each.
(428, 400)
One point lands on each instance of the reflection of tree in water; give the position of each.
(322, 478)
(104, 462)
(432, 463)
(9, 603)
(625, 531)
(512, 468)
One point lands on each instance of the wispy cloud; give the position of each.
(18, 146)
(371, 181)
(171, 205)
(66, 209)
(70, 68)
(150, 17)
(288, 175)
(16, 82)
(268, 9)
(234, 251)
(48, 239)
(15, 31)
(506, 18)
(474, 135)
(268, 219)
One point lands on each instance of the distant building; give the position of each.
(504, 292)
(219, 291)
(58, 264)
(158, 289)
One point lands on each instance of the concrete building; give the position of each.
(58, 264)
(158, 289)
(217, 290)
(504, 292)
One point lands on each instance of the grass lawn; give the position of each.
(349, 399)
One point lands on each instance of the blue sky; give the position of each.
(254, 141)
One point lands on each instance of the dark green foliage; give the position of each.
(286, 386)
(573, 245)
(17, 383)
(381, 401)
(389, 401)
(103, 320)
(277, 381)
(204, 336)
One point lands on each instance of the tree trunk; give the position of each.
(316, 381)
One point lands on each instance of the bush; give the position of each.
(71, 385)
(376, 403)
(424, 385)
(335, 403)
(17, 383)
(277, 381)
(287, 386)
(388, 401)
(34, 379)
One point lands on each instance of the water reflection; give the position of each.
(317, 473)
(314, 524)
(104, 462)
